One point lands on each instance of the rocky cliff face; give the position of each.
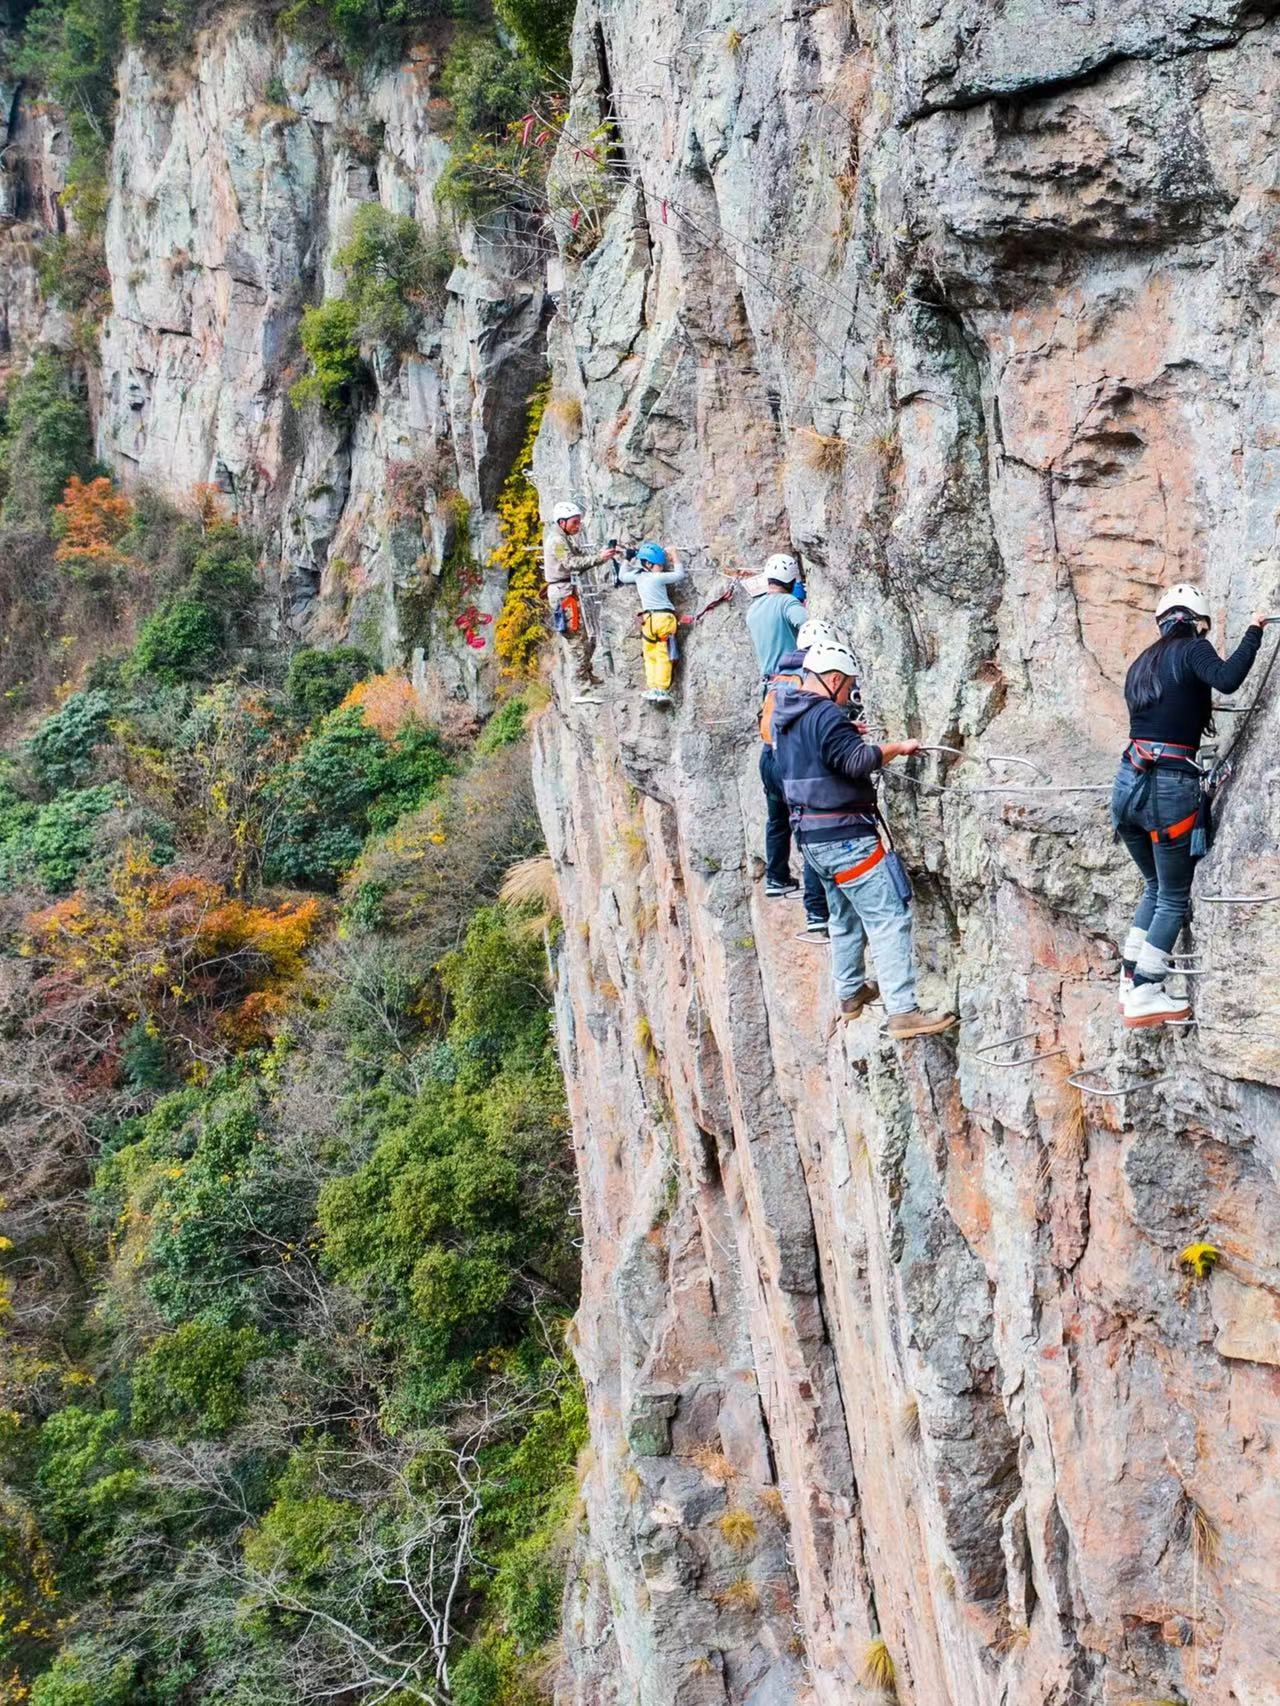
(975, 307)
(972, 305)
(234, 182)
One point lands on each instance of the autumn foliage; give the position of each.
(386, 702)
(522, 625)
(90, 522)
(173, 948)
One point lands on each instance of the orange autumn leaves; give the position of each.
(173, 949)
(387, 702)
(90, 522)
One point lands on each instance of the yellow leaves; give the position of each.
(1200, 1259)
(521, 627)
(177, 946)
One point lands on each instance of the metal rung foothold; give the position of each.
(1008, 758)
(1105, 1090)
(1008, 1042)
(951, 751)
(1236, 899)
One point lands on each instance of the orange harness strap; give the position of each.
(861, 868)
(1176, 831)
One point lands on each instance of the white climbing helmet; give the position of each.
(566, 512)
(1184, 596)
(782, 568)
(816, 631)
(830, 656)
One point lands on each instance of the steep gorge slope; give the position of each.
(973, 306)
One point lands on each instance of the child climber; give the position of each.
(652, 573)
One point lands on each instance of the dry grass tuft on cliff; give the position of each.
(738, 1528)
(740, 1595)
(713, 1464)
(822, 451)
(1206, 1542)
(565, 413)
(772, 1500)
(909, 1421)
(879, 1671)
(532, 882)
(644, 1041)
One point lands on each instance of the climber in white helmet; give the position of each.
(1158, 807)
(779, 884)
(826, 769)
(775, 614)
(564, 556)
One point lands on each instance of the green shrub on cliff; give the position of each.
(330, 335)
(392, 273)
(47, 438)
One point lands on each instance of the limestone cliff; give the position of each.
(975, 307)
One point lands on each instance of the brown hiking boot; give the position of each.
(853, 1004)
(918, 1024)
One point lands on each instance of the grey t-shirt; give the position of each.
(652, 584)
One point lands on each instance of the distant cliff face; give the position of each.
(234, 181)
(973, 306)
(976, 308)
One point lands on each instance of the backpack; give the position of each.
(792, 679)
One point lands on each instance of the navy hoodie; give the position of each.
(825, 767)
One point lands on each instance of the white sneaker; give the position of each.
(656, 696)
(1148, 1004)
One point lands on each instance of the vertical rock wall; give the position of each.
(974, 306)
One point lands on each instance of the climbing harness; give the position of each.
(1149, 756)
(983, 1053)
(852, 872)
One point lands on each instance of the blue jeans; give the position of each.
(777, 839)
(866, 911)
(1166, 866)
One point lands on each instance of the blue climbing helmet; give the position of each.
(652, 554)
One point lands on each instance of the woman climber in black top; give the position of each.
(1158, 797)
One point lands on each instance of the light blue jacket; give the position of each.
(773, 621)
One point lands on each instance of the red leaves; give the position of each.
(470, 621)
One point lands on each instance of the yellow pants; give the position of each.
(656, 628)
